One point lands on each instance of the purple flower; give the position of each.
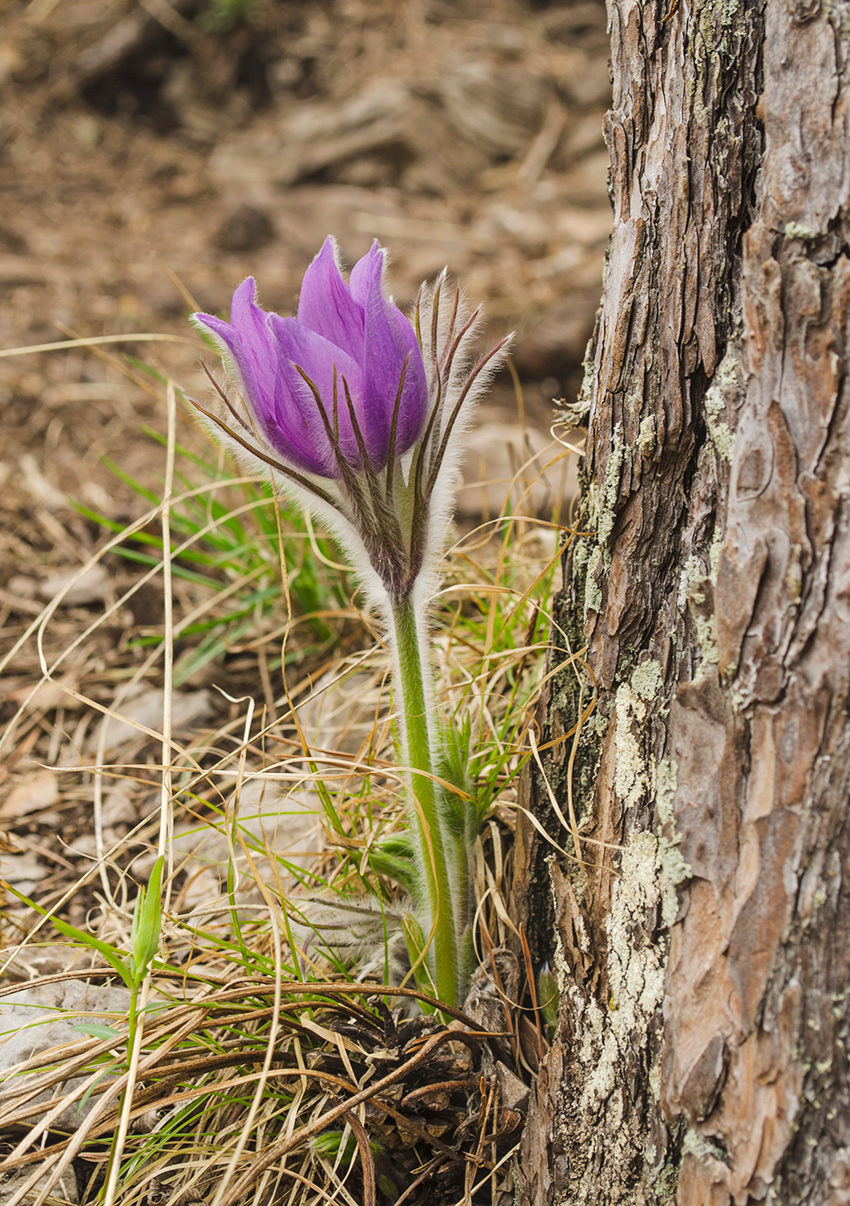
(325, 387)
(358, 413)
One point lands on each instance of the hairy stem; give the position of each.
(434, 845)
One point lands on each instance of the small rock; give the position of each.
(21, 586)
(119, 807)
(33, 960)
(41, 1018)
(343, 713)
(62, 1193)
(35, 483)
(288, 827)
(47, 696)
(246, 229)
(84, 844)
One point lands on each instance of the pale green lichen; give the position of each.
(592, 590)
(610, 487)
(666, 782)
(726, 377)
(706, 627)
(633, 771)
(647, 679)
(563, 973)
(697, 1144)
(647, 436)
(721, 434)
(649, 870)
(690, 575)
(596, 725)
(635, 967)
(795, 230)
(714, 553)
(630, 771)
(601, 504)
(723, 438)
(592, 516)
(674, 869)
(692, 594)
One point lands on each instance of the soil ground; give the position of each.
(156, 151)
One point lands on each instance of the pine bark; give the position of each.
(700, 929)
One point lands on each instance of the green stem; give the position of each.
(428, 824)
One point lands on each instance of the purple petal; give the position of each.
(367, 274)
(292, 427)
(345, 336)
(326, 366)
(326, 305)
(390, 341)
(256, 343)
(224, 333)
(248, 340)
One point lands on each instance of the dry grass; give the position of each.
(271, 1061)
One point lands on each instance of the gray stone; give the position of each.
(41, 1018)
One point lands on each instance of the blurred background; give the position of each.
(154, 146)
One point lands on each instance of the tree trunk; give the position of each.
(703, 929)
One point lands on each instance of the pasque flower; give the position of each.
(325, 387)
(353, 407)
(358, 413)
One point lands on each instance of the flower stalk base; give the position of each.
(434, 845)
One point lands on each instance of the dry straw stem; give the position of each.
(257, 1090)
(169, 1065)
(93, 341)
(166, 824)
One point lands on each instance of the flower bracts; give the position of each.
(354, 408)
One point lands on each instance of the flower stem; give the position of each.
(432, 841)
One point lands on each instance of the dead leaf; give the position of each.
(144, 711)
(77, 588)
(37, 791)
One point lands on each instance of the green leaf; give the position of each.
(97, 1031)
(109, 953)
(147, 922)
(401, 871)
(549, 997)
(110, 1070)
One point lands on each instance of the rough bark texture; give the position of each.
(703, 941)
